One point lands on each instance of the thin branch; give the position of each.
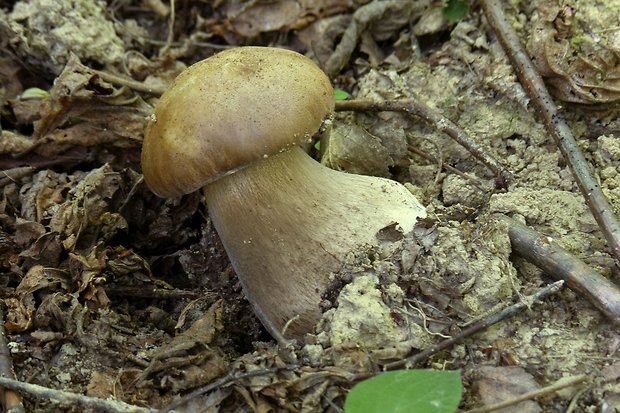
(434, 119)
(72, 399)
(170, 37)
(558, 385)
(469, 178)
(150, 292)
(554, 122)
(474, 328)
(120, 80)
(559, 264)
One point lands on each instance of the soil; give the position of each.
(110, 291)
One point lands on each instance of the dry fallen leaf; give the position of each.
(104, 384)
(18, 315)
(498, 384)
(189, 359)
(85, 217)
(40, 277)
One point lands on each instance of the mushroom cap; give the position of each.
(229, 110)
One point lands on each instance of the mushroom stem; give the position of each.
(287, 222)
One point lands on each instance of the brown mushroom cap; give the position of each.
(229, 110)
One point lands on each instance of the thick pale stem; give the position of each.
(287, 222)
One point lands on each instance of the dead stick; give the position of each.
(559, 264)
(138, 86)
(72, 399)
(555, 123)
(151, 292)
(436, 120)
(474, 328)
(470, 178)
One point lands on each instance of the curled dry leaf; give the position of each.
(42, 278)
(18, 316)
(85, 218)
(44, 192)
(190, 359)
(575, 53)
(59, 312)
(121, 261)
(21, 310)
(87, 270)
(46, 250)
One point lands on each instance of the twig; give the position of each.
(560, 384)
(11, 400)
(170, 37)
(559, 264)
(554, 122)
(362, 18)
(151, 292)
(469, 178)
(71, 399)
(436, 120)
(574, 400)
(130, 83)
(132, 192)
(474, 328)
(223, 381)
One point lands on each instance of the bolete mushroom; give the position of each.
(233, 125)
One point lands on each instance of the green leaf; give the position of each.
(34, 93)
(340, 94)
(455, 10)
(406, 391)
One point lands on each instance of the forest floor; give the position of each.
(109, 290)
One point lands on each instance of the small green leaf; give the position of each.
(455, 10)
(405, 391)
(317, 145)
(34, 93)
(340, 94)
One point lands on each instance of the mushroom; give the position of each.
(233, 125)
